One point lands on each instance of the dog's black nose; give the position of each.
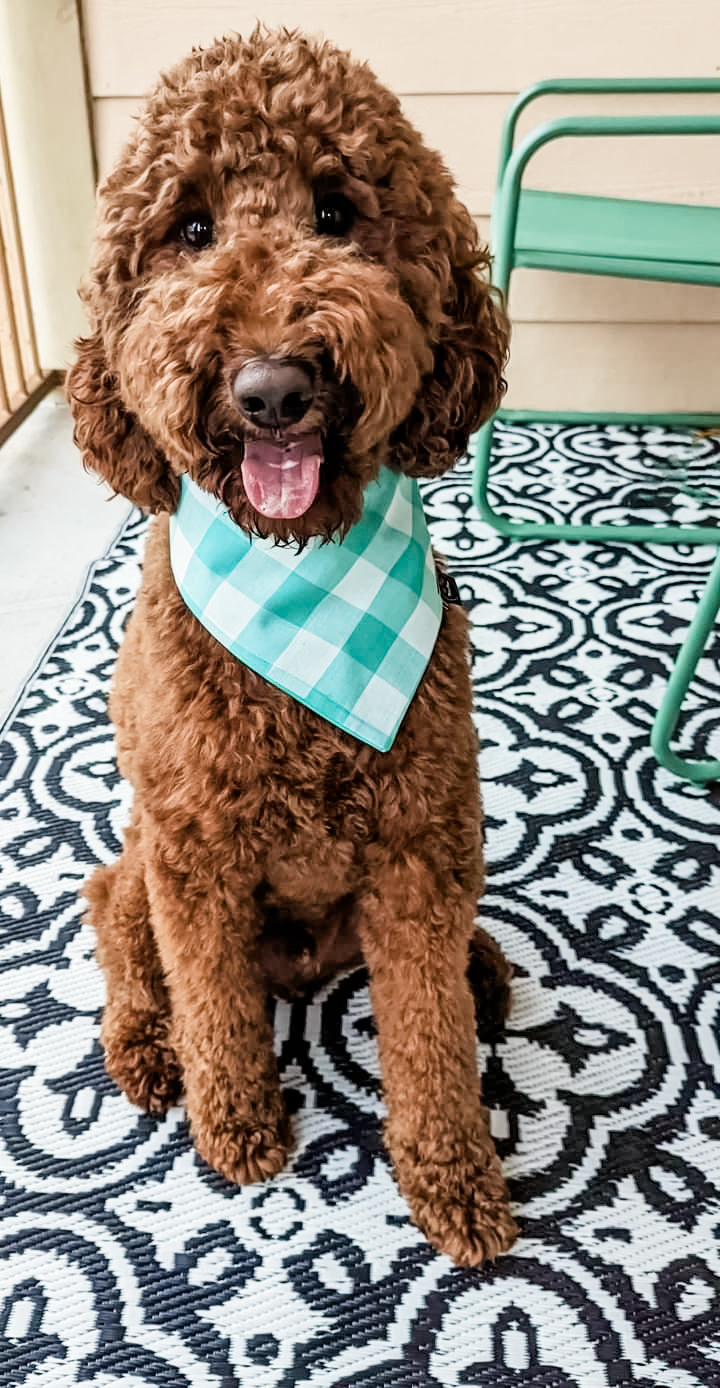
(274, 394)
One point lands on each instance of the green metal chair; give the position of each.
(666, 718)
(536, 229)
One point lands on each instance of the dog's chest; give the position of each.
(263, 762)
(314, 781)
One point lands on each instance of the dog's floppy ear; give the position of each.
(112, 441)
(466, 383)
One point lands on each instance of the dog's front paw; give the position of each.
(459, 1200)
(141, 1061)
(244, 1150)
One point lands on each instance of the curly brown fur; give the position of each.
(268, 848)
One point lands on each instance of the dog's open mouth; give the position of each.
(281, 475)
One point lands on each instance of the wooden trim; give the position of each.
(4, 393)
(85, 62)
(9, 425)
(418, 46)
(14, 290)
(41, 72)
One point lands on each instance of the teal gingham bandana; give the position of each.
(347, 627)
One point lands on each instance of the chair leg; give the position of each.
(683, 671)
(502, 239)
(481, 470)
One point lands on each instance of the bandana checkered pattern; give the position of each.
(346, 627)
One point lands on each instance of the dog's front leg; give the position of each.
(415, 931)
(205, 927)
(136, 1021)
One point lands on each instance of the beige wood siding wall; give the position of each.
(579, 343)
(46, 118)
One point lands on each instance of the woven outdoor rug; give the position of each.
(125, 1262)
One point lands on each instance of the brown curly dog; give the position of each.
(282, 265)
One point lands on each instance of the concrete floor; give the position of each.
(55, 520)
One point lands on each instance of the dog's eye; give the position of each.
(334, 215)
(197, 231)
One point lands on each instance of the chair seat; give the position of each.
(615, 236)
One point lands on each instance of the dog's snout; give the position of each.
(273, 394)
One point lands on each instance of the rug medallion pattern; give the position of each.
(125, 1262)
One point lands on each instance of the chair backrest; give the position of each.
(682, 242)
(608, 86)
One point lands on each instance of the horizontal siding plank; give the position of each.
(113, 120)
(615, 367)
(536, 296)
(466, 130)
(543, 296)
(578, 342)
(421, 45)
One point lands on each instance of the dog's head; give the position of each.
(285, 294)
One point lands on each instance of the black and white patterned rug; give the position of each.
(124, 1262)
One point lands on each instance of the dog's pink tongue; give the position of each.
(282, 478)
